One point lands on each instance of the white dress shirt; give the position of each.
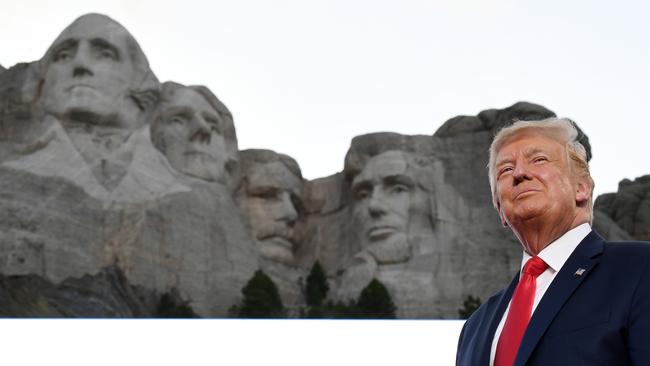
(555, 255)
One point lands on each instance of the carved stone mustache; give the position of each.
(275, 230)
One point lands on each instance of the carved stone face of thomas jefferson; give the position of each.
(388, 205)
(271, 201)
(89, 71)
(190, 132)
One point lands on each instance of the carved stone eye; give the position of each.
(361, 193)
(63, 55)
(399, 188)
(214, 125)
(178, 120)
(107, 53)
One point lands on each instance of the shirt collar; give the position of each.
(556, 253)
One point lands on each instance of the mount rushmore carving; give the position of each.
(114, 183)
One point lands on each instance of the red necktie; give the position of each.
(521, 308)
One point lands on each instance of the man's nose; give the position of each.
(377, 203)
(286, 210)
(199, 130)
(82, 64)
(521, 172)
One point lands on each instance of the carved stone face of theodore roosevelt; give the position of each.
(270, 197)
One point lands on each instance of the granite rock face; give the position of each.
(629, 207)
(84, 187)
(124, 196)
(105, 294)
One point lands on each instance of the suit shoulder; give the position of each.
(628, 249)
(632, 256)
(491, 302)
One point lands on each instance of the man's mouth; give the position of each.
(203, 154)
(380, 232)
(280, 241)
(77, 86)
(525, 192)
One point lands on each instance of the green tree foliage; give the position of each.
(261, 299)
(375, 302)
(317, 287)
(470, 304)
(170, 305)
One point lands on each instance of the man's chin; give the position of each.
(277, 249)
(202, 166)
(527, 215)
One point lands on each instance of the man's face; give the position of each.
(191, 135)
(271, 201)
(89, 71)
(383, 193)
(534, 181)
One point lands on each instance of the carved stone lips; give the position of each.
(280, 241)
(75, 86)
(380, 231)
(204, 154)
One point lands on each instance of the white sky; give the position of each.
(305, 77)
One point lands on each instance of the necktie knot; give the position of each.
(535, 266)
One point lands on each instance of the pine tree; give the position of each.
(470, 305)
(261, 299)
(170, 305)
(375, 302)
(317, 287)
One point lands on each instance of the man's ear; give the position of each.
(583, 190)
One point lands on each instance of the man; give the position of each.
(269, 194)
(96, 73)
(96, 82)
(580, 300)
(195, 131)
(389, 233)
(391, 201)
(97, 93)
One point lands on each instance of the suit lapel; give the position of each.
(494, 320)
(585, 256)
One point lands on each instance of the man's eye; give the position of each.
(399, 188)
(505, 170)
(107, 54)
(361, 194)
(214, 126)
(177, 119)
(63, 55)
(266, 195)
(540, 159)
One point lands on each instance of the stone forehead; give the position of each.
(90, 25)
(189, 97)
(251, 157)
(385, 164)
(99, 25)
(273, 174)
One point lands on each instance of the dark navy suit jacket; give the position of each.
(601, 317)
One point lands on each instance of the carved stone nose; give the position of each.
(81, 71)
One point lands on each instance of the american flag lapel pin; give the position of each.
(580, 271)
